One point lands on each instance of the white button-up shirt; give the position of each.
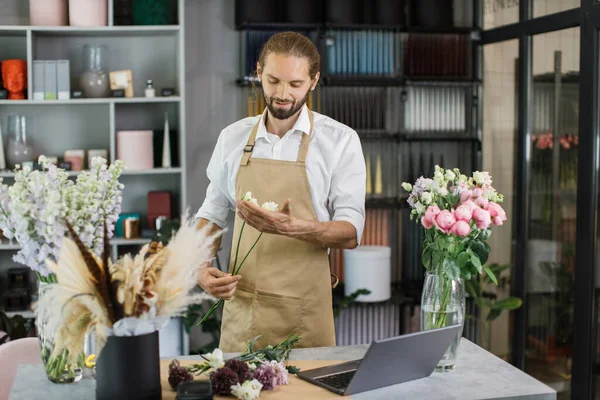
(335, 166)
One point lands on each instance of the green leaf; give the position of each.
(292, 369)
(451, 268)
(494, 313)
(510, 303)
(463, 259)
(426, 258)
(476, 262)
(485, 234)
(471, 288)
(466, 275)
(435, 262)
(490, 274)
(481, 250)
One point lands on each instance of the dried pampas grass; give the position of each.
(91, 292)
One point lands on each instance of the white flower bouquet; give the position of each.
(34, 209)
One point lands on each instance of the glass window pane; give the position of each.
(547, 7)
(553, 189)
(499, 132)
(500, 13)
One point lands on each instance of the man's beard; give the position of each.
(279, 113)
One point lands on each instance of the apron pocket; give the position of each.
(276, 317)
(237, 317)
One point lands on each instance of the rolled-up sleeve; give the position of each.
(348, 186)
(216, 205)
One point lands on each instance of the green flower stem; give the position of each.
(247, 254)
(235, 272)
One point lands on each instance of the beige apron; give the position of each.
(286, 284)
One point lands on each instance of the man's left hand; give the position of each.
(277, 222)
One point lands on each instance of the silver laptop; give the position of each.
(387, 362)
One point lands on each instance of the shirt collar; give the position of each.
(302, 123)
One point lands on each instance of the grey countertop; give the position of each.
(478, 375)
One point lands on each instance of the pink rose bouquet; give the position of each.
(457, 213)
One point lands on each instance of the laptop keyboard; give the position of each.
(338, 381)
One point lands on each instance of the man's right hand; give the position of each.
(218, 283)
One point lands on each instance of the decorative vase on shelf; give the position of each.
(18, 149)
(88, 12)
(57, 368)
(14, 78)
(94, 81)
(48, 12)
(443, 304)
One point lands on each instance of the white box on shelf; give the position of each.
(38, 80)
(50, 80)
(63, 79)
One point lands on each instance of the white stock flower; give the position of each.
(249, 390)
(407, 186)
(478, 177)
(442, 190)
(215, 359)
(426, 198)
(248, 197)
(450, 176)
(420, 207)
(270, 206)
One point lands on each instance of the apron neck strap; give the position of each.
(252, 140)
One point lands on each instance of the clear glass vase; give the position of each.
(443, 304)
(57, 368)
(18, 148)
(95, 81)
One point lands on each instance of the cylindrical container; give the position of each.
(48, 13)
(368, 267)
(128, 367)
(88, 12)
(135, 149)
(132, 228)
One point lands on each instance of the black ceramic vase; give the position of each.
(129, 368)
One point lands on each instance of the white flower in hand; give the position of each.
(248, 197)
(270, 206)
(215, 359)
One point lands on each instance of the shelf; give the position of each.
(428, 136)
(362, 80)
(146, 30)
(10, 174)
(104, 101)
(439, 136)
(129, 242)
(281, 26)
(155, 171)
(277, 26)
(27, 314)
(9, 246)
(115, 241)
(366, 80)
